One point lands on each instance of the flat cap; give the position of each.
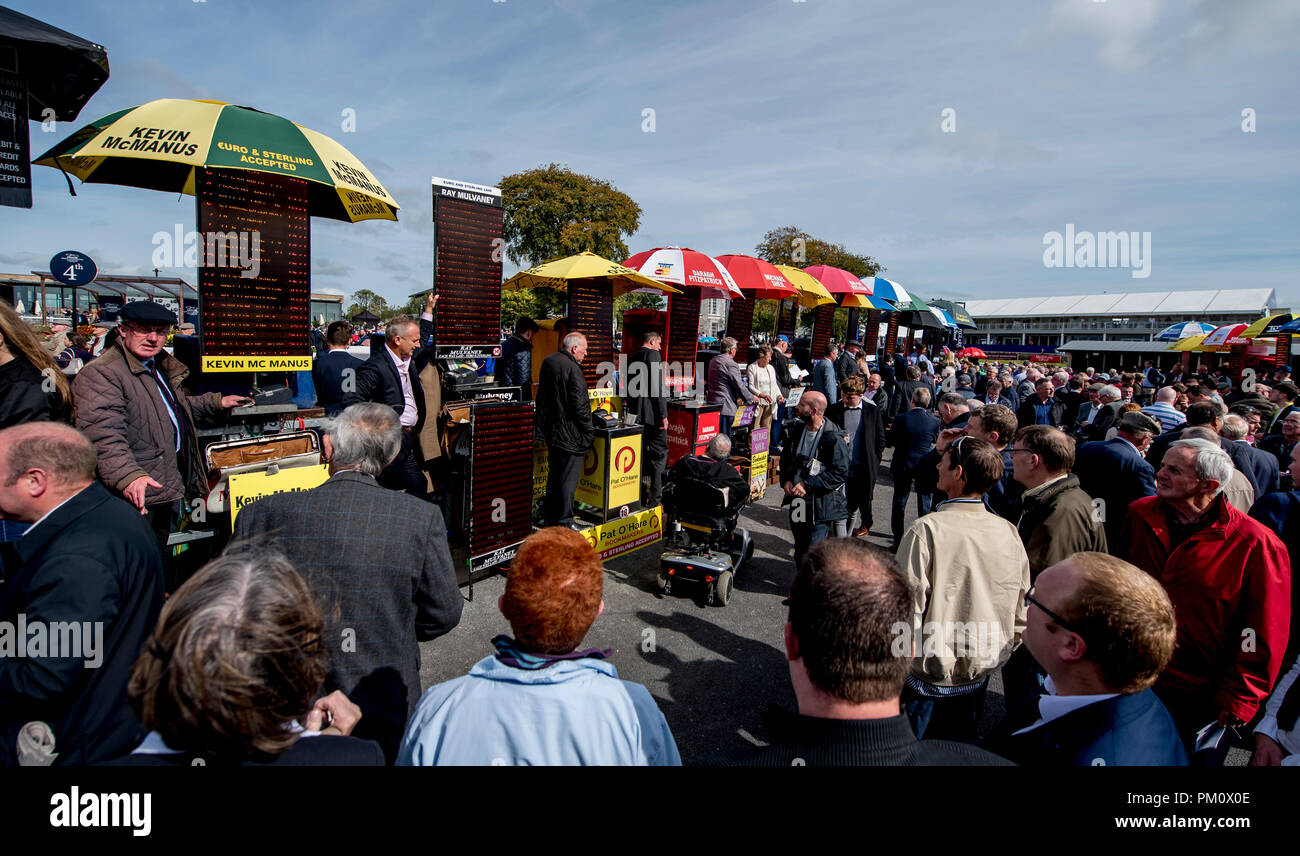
(1136, 420)
(147, 312)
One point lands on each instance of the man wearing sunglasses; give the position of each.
(1103, 630)
(968, 571)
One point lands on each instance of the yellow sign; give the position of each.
(256, 364)
(627, 533)
(611, 473)
(541, 471)
(758, 475)
(246, 488)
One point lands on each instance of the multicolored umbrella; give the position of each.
(1269, 326)
(886, 289)
(811, 292)
(684, 266)
(1229, 334)
(760, 278)
(159, 145)
(558, 273)
(1184, 330)
(864, 301)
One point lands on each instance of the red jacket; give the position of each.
(1230, 585)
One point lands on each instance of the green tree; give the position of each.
(366, 300)
(552, 212)
(790, 245)
(536, 303)
(765, 315)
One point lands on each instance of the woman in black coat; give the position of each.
(32, 386)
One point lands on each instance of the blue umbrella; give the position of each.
(887, 289)
(1184, 329)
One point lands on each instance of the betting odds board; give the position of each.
(254, 271)
(467, 251)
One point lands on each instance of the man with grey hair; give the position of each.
(564, 423)
(88, 576)
(376, 558)
(725, 385)
(1237, 491)
(1163, 409)
(1258, 466)
(712, 467)
(1229, 579)
(1105, 415)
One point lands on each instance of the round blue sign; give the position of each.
(73, 268)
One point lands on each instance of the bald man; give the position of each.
(86, 581)
(814, 465)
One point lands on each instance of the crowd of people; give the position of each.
(1116, 545)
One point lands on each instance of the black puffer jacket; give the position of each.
(23, 397)
(563, 409)
(515, 365)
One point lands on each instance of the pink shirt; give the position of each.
(410, 413)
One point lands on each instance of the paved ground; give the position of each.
(713, 670)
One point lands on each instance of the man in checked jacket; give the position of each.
(377, 560)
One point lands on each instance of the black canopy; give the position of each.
(62, 70)
(366, 317)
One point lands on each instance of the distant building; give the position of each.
(330, 306)
(1118, 317)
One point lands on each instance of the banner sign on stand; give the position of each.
(246, 488)
(467, 253)
(15, 157)
(626, 534)
(254, 271)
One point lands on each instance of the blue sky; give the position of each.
(825, 114)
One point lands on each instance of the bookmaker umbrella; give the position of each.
(683, 266)
(760, 278)
(1184, 330)
(811, 292)
(159, 145)
(1270, 326)
(62, 71)
(557, 274)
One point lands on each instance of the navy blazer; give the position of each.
(912, 435)
(1116, 473)
(1260, 467)
(94, 560)
(329, 373)
(1280, 512)
(1132, 730)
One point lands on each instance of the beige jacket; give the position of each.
(969, 573)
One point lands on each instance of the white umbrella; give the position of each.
(36, 308)
(20, 308)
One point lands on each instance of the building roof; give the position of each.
(1095, 346)
(1187, 304)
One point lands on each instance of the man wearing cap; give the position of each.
(846, 363)
(1283, 396)
(131, 405)
(1115, 473)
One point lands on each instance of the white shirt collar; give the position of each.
(56, 508)
(1052, 706)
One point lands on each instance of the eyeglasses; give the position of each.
(1029, 598)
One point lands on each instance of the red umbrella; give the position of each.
(684, 266)
(760, 278)
(837, 280)
(968, 353)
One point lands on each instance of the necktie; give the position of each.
(168, 399)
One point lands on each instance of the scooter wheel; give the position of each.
(722, 588)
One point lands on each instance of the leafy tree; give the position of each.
(790, 245)
(552, 212)
(536, 303)
(765, 315)
(366, 300)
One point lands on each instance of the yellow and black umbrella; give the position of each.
(158, 146)
(557, 274)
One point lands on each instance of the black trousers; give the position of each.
(903, 479)
(859, 489)
(563, 470)
(404, 472)
(654, 454)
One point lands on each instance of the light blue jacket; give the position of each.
(574, 712)
(824, 380)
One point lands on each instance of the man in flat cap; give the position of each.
(131, 405)
(1115, 472)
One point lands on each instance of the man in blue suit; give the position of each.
(1280, 512)
(1116, 472)
(1103, 630)
(912, 436)
(1258, 466)
(335, 373)
(823, 374)
(863, 425)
